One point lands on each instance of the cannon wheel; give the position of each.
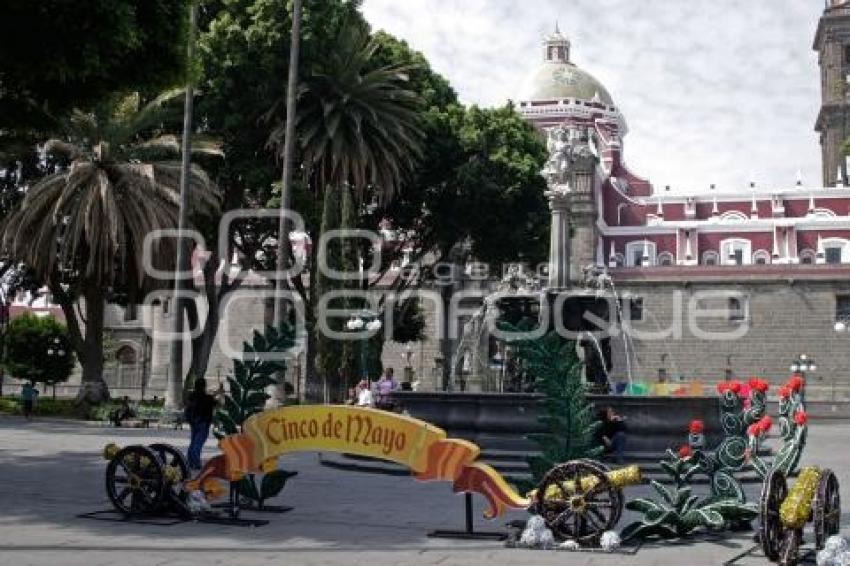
(579, 514)
(135, 481)
(826, 508)
(790, 547)
(171, 456)
(771, 530)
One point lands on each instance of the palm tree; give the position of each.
(82, 228)
(358, 128)
(356, 123)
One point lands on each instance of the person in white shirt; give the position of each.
(364, 395)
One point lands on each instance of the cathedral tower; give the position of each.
(832, 42)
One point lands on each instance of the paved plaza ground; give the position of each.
(52, 471)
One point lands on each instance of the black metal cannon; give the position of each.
(581, 499)
(146, 480)
(784, 512)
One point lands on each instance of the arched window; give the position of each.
(710, 258)
(733, 217)
(822, 213)
(127, 372)
(761, 257)
(640, 253)
(807, 256)
(665, 259)
(735, 251)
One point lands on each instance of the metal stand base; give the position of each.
(469, 533)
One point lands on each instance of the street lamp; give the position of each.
(372, 324)
(55, 352)
(802, 365)
(4, 324)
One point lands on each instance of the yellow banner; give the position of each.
(348, 429)
(413, 443)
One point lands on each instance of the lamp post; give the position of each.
(55, 352)
(802, 365)
(408, 368)
(371, 323)
(4, 324)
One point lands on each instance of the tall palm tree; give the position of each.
(358, 128)
(82, 228)
(356, 123)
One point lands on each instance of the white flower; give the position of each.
(546, 539)
(610, 541)
(570, 545)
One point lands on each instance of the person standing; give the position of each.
(29, 395)
(199, 412)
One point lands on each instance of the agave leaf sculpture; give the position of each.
(246, 396)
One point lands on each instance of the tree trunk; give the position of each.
(93, 389)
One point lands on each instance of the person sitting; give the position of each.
(613, 434)
(386, 385)
(364, 394)
(122, 412)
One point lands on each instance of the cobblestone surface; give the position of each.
(52, 471)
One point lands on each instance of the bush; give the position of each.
(45, 407)
(37, 350)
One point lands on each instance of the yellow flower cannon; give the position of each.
(797, 506)
(619, 478)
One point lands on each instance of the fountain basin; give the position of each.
(500, 421)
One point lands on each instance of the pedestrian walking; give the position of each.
(199, 412)
(29, 396)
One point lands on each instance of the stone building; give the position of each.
(727, 282)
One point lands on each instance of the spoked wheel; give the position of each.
(577, 501)
(826, 508)
(171, 456)
(135, 481)
(771, 530)
(790, 547)
(176, 469)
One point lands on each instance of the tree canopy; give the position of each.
(37, 349)
(59, 55)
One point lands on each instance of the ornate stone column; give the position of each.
(559, 238)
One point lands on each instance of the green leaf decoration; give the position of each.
(273, 482)
(247, 488)
(663, 492)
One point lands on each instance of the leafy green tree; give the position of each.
(37, 349)
(59, 55)
(82, 228)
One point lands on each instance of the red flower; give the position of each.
(796, 382)
(685, 451)
(784, 392)
(696, 427)
(759, 384)
(765, 424)
(733, 386)
(754, 430)
(801, 418)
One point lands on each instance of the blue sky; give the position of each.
(713, 92)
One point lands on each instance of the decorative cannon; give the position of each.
(581, 499)
(146, 480)
(784, 512)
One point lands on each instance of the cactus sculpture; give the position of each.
(793, 428)
(744, 422)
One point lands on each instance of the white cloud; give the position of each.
(714, 92)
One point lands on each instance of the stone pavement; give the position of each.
(52, 471)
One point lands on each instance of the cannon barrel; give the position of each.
(796, 509)
(619, 478)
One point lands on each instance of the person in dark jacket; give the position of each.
(613, 434)
(199, 412)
